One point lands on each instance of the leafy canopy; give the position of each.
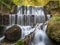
(7, 3)
(30, 2)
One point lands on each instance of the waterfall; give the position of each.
(11, 19)
(40, 37)
(20, 19)
(27, 19)
(26, 30)
(30, 15)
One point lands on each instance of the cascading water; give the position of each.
(40, 37)
(26, 30)
(11, 19)
(30, 16)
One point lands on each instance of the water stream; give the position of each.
(40, 36)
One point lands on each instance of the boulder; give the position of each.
(13, 33)
(53, 28)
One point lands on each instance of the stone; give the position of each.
(5, 19)
(1, 30)
(51, 6)
(53, 28)
(1, 19)
(13, 33)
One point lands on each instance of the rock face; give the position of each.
(5, 19)
(1, 30)
(13, 33)
(0, 19)
(52, 6)
(53, 28)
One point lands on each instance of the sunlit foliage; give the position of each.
(6, 3)
(31, 2)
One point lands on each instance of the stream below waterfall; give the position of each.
(40, 37)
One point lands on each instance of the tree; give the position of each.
(6, 6)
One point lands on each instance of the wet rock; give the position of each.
(13, 33)
(6, 43)
(29, 38)
(0, 19)
(5, 19)
(1, 30)
(53, 28)
(51, 6)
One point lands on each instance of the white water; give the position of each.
(29, 17)
(40, 36)
(26, 18)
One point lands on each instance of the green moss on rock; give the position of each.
(19, 42)
(53, 28)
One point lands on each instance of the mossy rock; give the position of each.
(53, 28)
(19, 42)
(13, 33)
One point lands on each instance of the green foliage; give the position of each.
(30, 2)
(18, 2)
(55, 18)
(19, 42)
(6, 3)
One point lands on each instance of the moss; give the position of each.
(53, 28)
(19, 42)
